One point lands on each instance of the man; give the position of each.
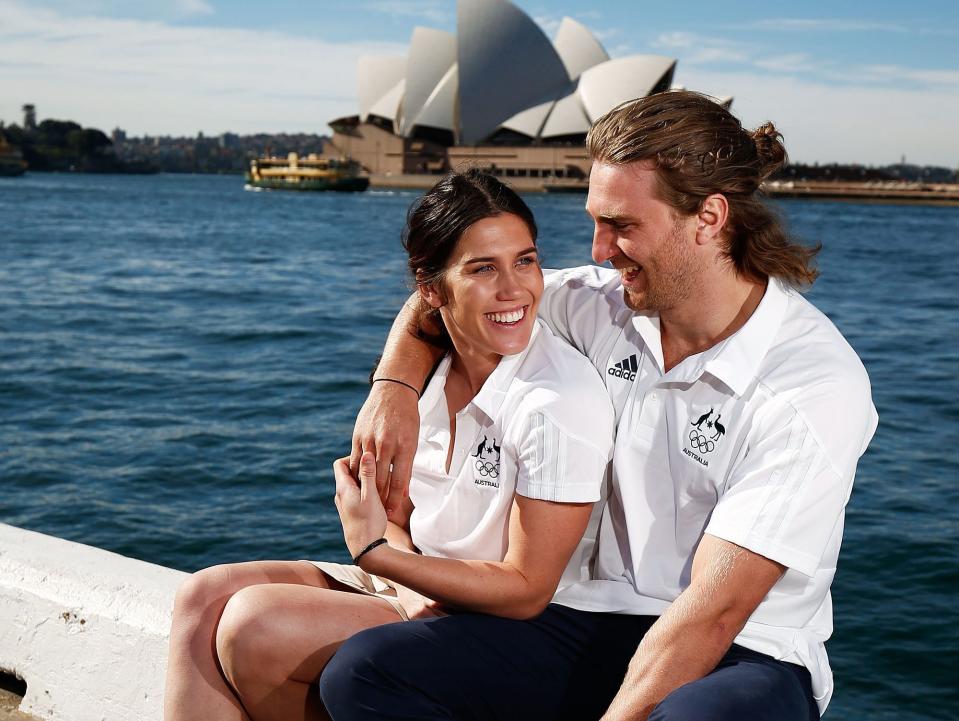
(741, 415)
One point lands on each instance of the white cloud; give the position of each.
(549, 24)
(830, 123)
(151, 77)
(193, 7)
(436, 12)
(693, 49)
(789, 63)
(825, 25)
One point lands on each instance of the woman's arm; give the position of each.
(542, 537)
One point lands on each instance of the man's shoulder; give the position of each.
(586, 277)
(809, 347)
(812, 373)
(558, 379)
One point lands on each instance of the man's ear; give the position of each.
(711, 219)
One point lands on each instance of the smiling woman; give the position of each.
(515, 434)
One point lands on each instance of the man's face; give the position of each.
(642, 237)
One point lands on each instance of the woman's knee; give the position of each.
(245, 634)
(203, 589)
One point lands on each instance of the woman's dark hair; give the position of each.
(436, 222)
(700, 148)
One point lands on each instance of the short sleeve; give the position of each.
(784, 499)
(555, 465)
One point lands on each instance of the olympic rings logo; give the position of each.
(700, 442)
(487, 469)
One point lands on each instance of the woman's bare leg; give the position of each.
(195, 687)
(274, 641)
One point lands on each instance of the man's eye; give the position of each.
(527, 260)
(484, 269)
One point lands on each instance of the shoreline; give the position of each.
(887, 193)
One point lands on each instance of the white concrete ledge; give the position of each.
(85, 628)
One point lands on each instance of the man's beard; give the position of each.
(676, 270)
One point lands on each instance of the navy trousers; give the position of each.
(565, 665)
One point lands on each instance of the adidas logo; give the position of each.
(625, 369)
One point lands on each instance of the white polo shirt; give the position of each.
(541, 426)
(754, 441)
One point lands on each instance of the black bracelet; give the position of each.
(393, 380)
(374, 544)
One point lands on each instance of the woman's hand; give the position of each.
(361, 511)
(417, 605)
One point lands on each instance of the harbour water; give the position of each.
(181, 361)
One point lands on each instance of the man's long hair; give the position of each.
(699, 149)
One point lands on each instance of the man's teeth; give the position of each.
(510, 317)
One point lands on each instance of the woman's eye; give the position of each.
(484, 269)
(527, 260)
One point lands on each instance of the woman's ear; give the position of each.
(429, 293)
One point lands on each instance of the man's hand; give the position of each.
(388, 426)
(361, 512)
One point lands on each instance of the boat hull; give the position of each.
(344, 185)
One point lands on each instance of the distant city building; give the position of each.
(29, 117)
(229, 140)
(118, 136)
(499, 94)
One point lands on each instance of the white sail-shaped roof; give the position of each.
(568, 118)
(439, 110)
(376, 76)
(432, 54)
(389, 105)
(530, 121)
(506, 64)
(605, 86)
(578, 48)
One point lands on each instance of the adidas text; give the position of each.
(620, 373)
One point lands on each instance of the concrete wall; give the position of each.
(85, 628)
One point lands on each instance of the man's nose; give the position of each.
(604, 245)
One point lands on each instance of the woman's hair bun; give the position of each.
(769, 149)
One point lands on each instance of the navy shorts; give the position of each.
(565, 664)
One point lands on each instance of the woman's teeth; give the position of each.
(512, 316)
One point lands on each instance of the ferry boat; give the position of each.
(309, 173)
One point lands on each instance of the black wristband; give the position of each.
(393, 380)
(370, 547)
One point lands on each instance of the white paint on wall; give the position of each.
(85, 628)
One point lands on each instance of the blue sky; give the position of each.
(845, 82)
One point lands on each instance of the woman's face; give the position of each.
(491, 288)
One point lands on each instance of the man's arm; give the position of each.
(388, 423)
(691, 637)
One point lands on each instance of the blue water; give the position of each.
(181, 361)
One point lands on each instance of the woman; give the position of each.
(515, 434)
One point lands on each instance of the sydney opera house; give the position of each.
(498, 95)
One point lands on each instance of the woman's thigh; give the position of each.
(292, 629)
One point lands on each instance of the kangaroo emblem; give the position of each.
(480, 448)
(703, 418)
(720, 428)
